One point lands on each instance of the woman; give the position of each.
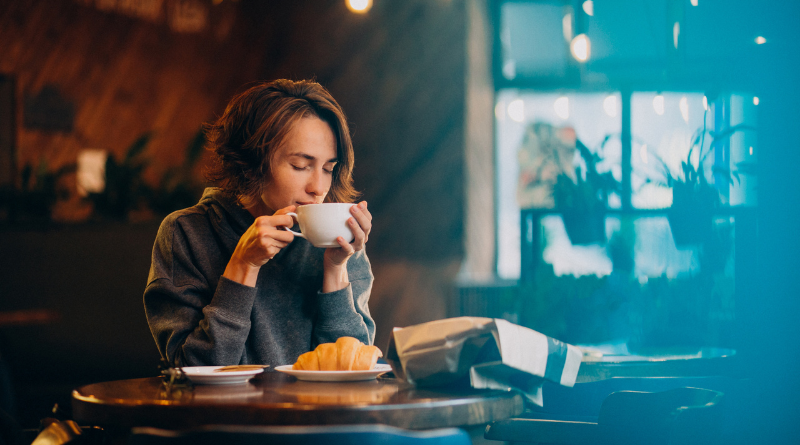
(227, 284)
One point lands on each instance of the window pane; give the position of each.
(675, 131)
(537, 139)
(637, 293)
(532, 39)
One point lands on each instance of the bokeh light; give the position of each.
(359, 6)
(561, 106)
(580, 47)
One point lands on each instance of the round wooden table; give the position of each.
(273, 398)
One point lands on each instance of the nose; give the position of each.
(318, 183)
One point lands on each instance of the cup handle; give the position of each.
(294, 216)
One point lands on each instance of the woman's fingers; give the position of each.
(362, 206)
(274, 221)
(347, 248)
(363, 220)
(359, 236)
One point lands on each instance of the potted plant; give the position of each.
(125, 189)
(41, 188)
(582, 200)
(694, 198)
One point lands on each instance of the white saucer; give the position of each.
(335, 376)
(206, 375)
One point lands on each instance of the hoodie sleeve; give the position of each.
(193, 324)
(346, 312)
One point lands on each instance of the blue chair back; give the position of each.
(298, 435)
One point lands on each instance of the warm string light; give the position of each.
(516, 109)
(566, 26)
(683, 105)
(676, 32)
(658, 104)
(588, 8)
(580, 47)
(610, 106)
(561, 106)
(359, 6)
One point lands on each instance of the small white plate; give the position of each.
(206, 375)
(335, 376)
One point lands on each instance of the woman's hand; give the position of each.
(259, 244)
(335, 263)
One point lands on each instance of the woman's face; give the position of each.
(302, 168)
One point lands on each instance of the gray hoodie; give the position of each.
(197, 317)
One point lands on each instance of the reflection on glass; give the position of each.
(531, 40)
(693, 145)
(640, 290)
(533, 152)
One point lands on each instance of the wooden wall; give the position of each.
(398, 72)
(124, 75)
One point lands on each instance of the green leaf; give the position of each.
(138, 146)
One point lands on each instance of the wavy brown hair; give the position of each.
(255, 124)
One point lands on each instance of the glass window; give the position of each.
(680, 137)
(538, 140)
(617, 232)
(532, 42)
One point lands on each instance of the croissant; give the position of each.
(347, 354)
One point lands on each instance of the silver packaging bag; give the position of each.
(482, 352)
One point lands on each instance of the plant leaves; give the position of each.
(138, 147)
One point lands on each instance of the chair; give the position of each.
(676, 416)
(298, 435)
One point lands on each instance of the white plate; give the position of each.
(335, 376)
(205, 375)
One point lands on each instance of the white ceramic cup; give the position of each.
(322, 223)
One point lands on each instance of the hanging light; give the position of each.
(516, 110)
(658, 104)
(500, 111)
(761, 40)
(580, 47)
(566, 26)
(561, 106)
(676, 32)
(359, 6)
(588, 8)
(610, 105)
(684, 107)
(755, 100)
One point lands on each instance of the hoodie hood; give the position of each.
(226, 214)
